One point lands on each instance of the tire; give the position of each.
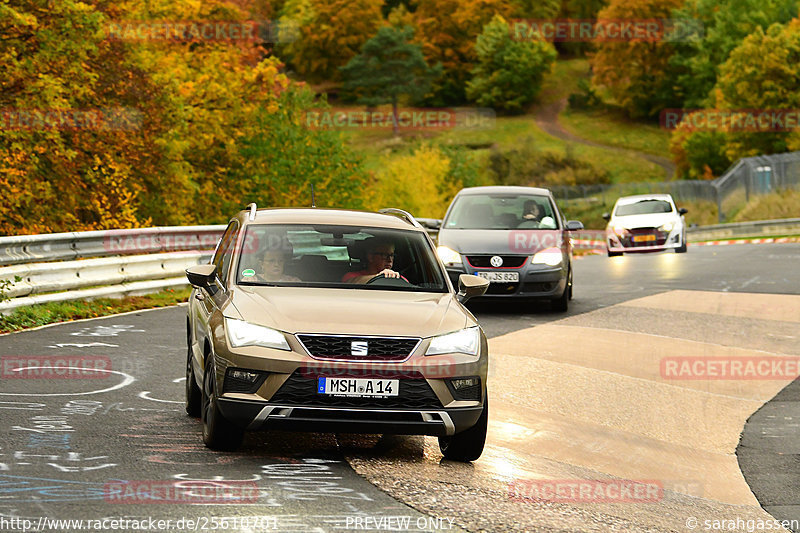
(682, 248)
(218, 432)
(613, 254)
(194, 397)
(468, 445)
(561, 304)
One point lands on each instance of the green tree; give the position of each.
(447, 30)
(762, 73)
(281, 158)
(388, 68)
(725, 24)
(509, 72)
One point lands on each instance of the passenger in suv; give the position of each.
(392, 355)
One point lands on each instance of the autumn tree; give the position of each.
(725, 25)
(509, 72)
(635, 71)
(447, 30)
(76, 161)
(334, 33)
(762, 73)
(389, 68)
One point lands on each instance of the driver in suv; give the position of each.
(379, 258)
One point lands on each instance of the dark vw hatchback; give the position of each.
(515, 237)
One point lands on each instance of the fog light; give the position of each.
(463, 383)
(243, 375)
(466, 388)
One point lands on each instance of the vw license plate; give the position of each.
(358, 387)
(499, 277)
(643, 238)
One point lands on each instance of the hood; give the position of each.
(499, 242)
(652, 220)
(350, 311)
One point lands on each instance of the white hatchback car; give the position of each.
(645, 223)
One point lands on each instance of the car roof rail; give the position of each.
(405, 215)
(252, 207)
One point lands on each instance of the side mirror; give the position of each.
(574, 225)
(430, 223)
(682, 211)
(201, 276)
(470, 286)
(606, 216)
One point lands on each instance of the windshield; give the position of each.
(644, 207)
(338, 257)
(501, 212)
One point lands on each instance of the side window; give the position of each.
(224, 253)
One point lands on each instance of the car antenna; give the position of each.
(313, 204)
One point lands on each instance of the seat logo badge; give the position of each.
(358, 348)
(496, 261)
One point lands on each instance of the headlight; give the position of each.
(448, 255)
(667, 227)
(549, 256)
(465, 341)
(619, 230)
(241, 333)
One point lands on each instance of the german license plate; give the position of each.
(358, 387)
(643, 238)
(499, 277)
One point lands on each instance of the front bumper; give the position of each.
(534, 283)
(285, 395)
(436, 422)
(625, 243)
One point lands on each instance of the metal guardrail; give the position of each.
(739, 230)
(20, 249)
(39, 278)
(745, 179)
(56, 267)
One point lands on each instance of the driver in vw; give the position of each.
(380, 258)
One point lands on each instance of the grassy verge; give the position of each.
(611, 127)
(50, 313)
(781, 204)
(563, 79)
(507, 133)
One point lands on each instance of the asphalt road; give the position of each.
(93, 447)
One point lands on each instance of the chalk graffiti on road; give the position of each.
(128, 379)
(106, 331)
(83, 345)
(310, 480)
(25, 488)
(145, 395)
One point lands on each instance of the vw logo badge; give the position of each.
(496, 261)
(358, 348)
